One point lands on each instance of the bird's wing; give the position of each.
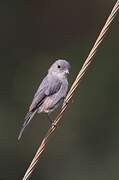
(39, 95)
(49, 86)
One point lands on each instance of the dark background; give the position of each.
(33, 33)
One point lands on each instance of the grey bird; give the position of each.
(51, 91)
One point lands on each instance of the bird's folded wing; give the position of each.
(49, 86)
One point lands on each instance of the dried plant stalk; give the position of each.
(72, 91)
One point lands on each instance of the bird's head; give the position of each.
(60, 68)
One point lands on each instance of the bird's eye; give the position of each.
(59, 66)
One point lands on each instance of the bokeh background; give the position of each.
(33, 33)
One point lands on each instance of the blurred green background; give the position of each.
(33, 33)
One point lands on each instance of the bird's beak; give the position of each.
(67, 71)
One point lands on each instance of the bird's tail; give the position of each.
(28, 118)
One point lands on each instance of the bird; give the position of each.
(52, 90)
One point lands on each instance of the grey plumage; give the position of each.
(51, 91)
